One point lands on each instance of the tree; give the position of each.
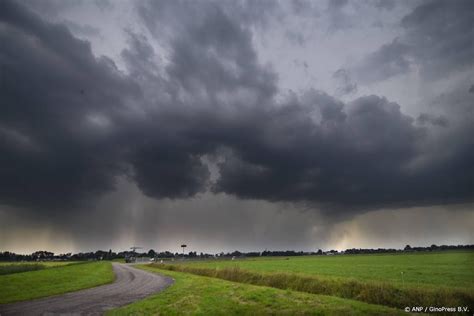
(151, 253)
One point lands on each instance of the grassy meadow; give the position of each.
(453, 269)
(54, 280)
(17, 267)
(198, 295)
(428, 279)
(377, 284)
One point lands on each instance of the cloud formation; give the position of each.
(235, 125)
(59, 107)
(436, 39)
(78, 123)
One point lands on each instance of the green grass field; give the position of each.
(448, 269)
(198, 295)
(55, 280)
(17, 267)
(310, 285)
(428, 279)
(46, 263)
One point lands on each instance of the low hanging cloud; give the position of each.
(78, 123)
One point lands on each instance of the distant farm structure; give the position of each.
(134, 258)
(139, 259)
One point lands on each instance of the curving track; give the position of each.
(130, 285)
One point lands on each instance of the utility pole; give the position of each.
(183, 246)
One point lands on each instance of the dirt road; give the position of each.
(130, 285)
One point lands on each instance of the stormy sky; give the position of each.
(229, 125)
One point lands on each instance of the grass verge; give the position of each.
(373, 292)
(197, 295)
(17, 267)
(20, 267)
(35, 284)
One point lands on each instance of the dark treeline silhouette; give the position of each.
(167, 255)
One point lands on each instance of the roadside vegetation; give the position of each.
(17, 267)
(58, 280)
(20, 267)
(434, 279)
(198, 295)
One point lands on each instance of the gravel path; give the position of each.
(130, 285)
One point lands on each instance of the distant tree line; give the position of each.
(167, 255)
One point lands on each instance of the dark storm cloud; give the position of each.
(437, 37)
(57, 102)
(441, 34)
(212, 70)
(308, 148)
(77, 123)
(425, 118)
(53, 8)
(337, 4)
(349, 158)
(384, 4)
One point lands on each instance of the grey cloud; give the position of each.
(82, 29)
(436, 38)
(344, 82)
(304, 8)
(389, 60)
(50, 8)
(210, 98)
(441, 34)
(337, 4)
(425, 118)
(65, 111)
(54, 8)
(385, 4)
(167, 18)
(338, 19)
(168, 172)
(254, 13)
(104, 5)
(212, 65)
(341, 158)
(295, 37)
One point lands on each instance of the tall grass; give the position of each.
(373, 292)
(21, 267)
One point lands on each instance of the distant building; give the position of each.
(138, 260)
